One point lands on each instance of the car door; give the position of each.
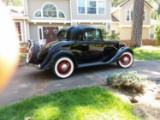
(90, 46)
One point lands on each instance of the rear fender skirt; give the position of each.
(118, 54)
(55, 56)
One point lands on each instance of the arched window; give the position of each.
(38, 13)
(49, 10)
(61, 14)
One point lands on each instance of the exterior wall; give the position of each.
(127, 6)
(76, 16)
(116, 14)
(62, 5)
(115, 26)
(125, 33)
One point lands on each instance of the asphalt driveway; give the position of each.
(29, 81)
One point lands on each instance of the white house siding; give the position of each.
(76, 16)
(125, 33)
(62, 5)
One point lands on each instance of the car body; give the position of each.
(76, 47)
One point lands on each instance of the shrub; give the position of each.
(157, 33)
(129, 81)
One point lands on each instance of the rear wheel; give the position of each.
(63, 67)
(126, 60)
(32, 53)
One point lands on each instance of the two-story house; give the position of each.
(46, 17)
(122, 22)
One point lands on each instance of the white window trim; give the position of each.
(49, 17)
(96, 8)
(21, 41)
(46, 4)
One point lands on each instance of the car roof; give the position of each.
(80, 27)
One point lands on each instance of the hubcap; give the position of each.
(64, 67)
(125, 59)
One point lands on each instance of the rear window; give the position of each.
(62, 35)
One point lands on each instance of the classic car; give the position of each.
(77, 47)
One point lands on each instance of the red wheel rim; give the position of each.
(125, 59)
(64, 67)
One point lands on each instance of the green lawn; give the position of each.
(90, 103)
(147, 53)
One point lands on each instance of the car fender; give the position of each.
(118, 54)
(56, 55)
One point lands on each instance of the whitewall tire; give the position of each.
(63, 67)
(126, 60)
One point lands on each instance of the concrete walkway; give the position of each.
(29, 81)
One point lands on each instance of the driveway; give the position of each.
(29, 81)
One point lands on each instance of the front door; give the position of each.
(50, 33)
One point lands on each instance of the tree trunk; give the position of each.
(137, 23)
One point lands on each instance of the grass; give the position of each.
(147, 53)
(90, 103)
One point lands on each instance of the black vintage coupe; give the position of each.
(76, 47)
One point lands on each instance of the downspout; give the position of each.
(71, 12)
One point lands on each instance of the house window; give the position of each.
(61, 14)
(113, 31)
(129, 14)
(48, 10)
(81, 6)
(37, 13)
(151, 31)
(91, 7)
(101, 7)
(19, 30)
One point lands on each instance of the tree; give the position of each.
(137, 23)
(115, 3)
(13, 2)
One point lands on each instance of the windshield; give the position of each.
(62, 35)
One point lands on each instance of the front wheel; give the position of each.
(126, 60)
(63, 67)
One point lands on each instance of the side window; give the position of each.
(92, 34)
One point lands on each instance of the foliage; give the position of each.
(114, 36)
(104, 33)
(126, 80)
(157, 33)
(91, 103)
(115, 3)
(147, 53)
(13, 2)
